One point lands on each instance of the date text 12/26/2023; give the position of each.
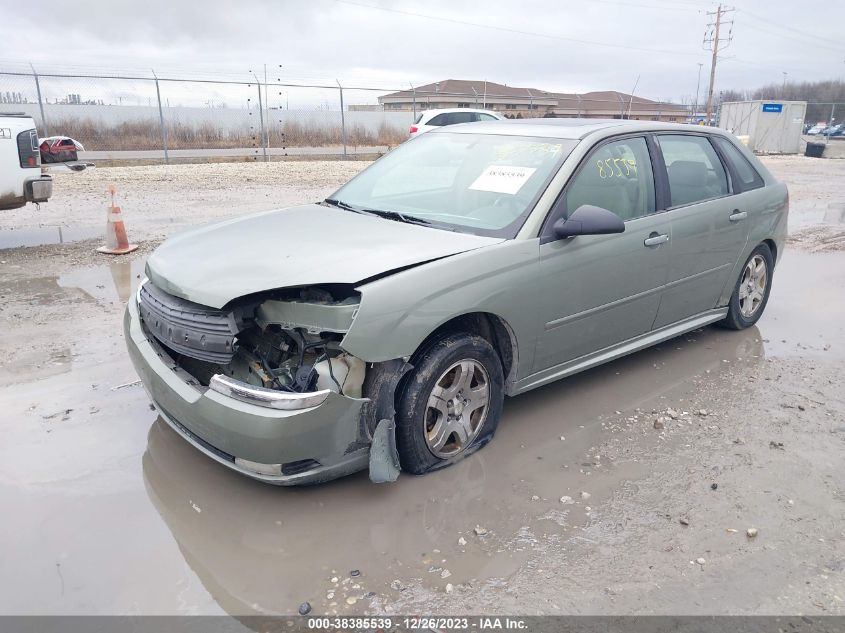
(417, 623)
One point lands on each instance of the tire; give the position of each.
(739, 317)
(456, 366)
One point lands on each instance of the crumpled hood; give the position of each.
(300, 246)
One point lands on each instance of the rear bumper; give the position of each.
(38, 189)
(310, 445)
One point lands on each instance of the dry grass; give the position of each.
(146, 134)
(313, 134)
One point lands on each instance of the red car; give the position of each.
(59, 149)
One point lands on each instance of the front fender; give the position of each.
(399, 311)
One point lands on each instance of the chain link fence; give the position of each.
(165, 117)
(168, 117)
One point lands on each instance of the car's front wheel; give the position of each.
(450, 403)
(751, 292)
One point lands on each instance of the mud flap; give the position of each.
(384, 458)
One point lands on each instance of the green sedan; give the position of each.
(382, 327)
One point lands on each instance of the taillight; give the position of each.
(28, 151)
(413, 129)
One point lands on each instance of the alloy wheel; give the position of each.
(752, 288)
(456, 408)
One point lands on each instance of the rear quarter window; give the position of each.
(462, 117)
(748, 176)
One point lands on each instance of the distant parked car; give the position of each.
(59, 149)
(816, 129)
(431, 119)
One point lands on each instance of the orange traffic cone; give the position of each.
(116, 241)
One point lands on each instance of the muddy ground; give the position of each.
(580, 505)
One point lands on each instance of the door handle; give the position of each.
(737, 215)
(655, 240)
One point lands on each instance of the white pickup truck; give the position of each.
(21, 177)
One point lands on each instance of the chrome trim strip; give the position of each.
(138, 291)
(606, 306)
(618, 350)
(585, 313)
(694, 276)
(264, 397)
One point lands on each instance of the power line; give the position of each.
(795, 38)
(512, 30)
(784, 27)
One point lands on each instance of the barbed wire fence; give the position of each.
(166, 117)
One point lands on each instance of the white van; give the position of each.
(21, 179)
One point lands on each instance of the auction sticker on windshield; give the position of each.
(502, 179)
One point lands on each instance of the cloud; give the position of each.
(320, 40)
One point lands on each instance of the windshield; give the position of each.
(484, 184)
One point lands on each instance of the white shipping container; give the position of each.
(772, 127)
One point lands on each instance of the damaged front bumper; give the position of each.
(275, 445)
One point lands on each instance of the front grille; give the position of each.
(188, 328)
(303, 465)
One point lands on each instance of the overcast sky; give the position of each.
(567, 46)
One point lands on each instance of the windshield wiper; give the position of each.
(390, 215)
(340, 204)
(395, 215)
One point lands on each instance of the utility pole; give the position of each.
(718, 42)
(342, 118)
(261, 118)
(266, 110)
(414, 91)
(161, 122)
(40, 102)
(631, 100)
(697, 91)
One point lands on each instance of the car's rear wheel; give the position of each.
(751, 293)
(450, 403)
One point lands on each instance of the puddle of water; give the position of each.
(42, 235)
(90, 294)
(806, 309)
(115, 282)
(118, 503)
(251, 544)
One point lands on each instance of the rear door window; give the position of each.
(748, 176)
(440, 119)
(695, 171)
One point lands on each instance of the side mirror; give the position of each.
(589, 220)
